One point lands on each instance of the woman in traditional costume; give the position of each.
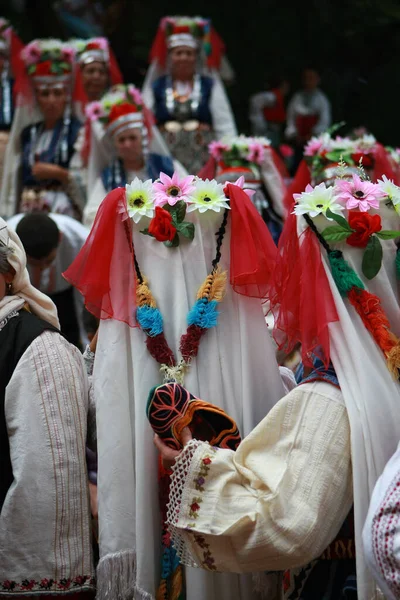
(44, 132)
(45, 534)
(10, 64)
(283, 501)
(125, 145)
(165, 258)
(184, 90)
(98, 70)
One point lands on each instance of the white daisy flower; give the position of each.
(316, 201)
(140, 199)
(391, 190)
(207, 195)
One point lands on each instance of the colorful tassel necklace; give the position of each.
(368, 306)
(202, 316)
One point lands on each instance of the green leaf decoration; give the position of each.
(186, 229)
(339, 219)
(174, 243)
(336, 233)
(178, 211)
(372, 259)
(31, 69)
(338, 155)
(388, 234)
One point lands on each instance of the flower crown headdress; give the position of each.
(326, 151)
(240, 150)
(91, 50)
(121, 108)
(48, 61)
(187, 31)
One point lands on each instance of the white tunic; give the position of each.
(275, 503)
(45, 520)
(50, 280)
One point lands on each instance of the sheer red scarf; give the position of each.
(104, 269)
(300, 295)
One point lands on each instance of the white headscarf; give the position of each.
(39, 303)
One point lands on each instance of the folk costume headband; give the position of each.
(88, 52)
(193, 32)
(120, 109)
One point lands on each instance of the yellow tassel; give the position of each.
(177, 584)
(144, 297)
(218, 286)
(214, 286)
(393, 360)
(205, 287)
(162, 592)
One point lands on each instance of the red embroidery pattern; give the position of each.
(208, 561)
(384, 523)
(32, 585)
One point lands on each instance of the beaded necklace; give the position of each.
(194, 95)
(202, 316)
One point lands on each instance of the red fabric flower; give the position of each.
(181, 29)
(207, 461)
(93, 46)
(195, 507)
(161, 226)
(364, 226)
(120, 110)
(44, 68)
(367, 159)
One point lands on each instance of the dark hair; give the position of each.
(39, 234)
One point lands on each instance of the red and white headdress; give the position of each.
(94, 50)
(194, 32)
(49, 62)
(121, 108)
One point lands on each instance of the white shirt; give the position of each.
(73, 237)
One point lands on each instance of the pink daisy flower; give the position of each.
(94, 111)
(358, 194)
(313, 147)
(136, 95)
(170, 190)
(68, 54)
(31, 53)
(216, 149)
(256, 153)
(241, 183)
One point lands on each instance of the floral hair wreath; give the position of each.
(48, 57)
(239, 150)
(363, 230)
(118, 96)
(166, 202)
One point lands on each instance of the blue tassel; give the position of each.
(204, 314)
(150, 320)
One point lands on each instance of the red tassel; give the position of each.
(369, 308)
